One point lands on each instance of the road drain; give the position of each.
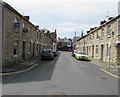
(103, 78)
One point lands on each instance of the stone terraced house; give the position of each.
(103, 42)
(22, 40)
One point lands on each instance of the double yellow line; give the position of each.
(20, 70)
(110, 73)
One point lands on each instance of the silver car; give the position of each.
(47, 54)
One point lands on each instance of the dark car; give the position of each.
(47, 54)
(74, 52)
(55, 53)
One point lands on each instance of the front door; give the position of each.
(102, 52)
(33, 49)
(93, 51)
(118, 50)
(23, 50)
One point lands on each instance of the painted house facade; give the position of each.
(103, 42)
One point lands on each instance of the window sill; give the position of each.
(15, 56)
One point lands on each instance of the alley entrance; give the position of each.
(23, 50)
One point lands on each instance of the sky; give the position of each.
(66, 16)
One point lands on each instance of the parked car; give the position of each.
(74, 52)
(55, 53)
(81, 56)
(47, 54)
(70, 50)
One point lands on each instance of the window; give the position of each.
(37, 48)
(23, 25)
(14, 51)
(37, 34)
(102, 33)
(30, 47)
(119, 27)
(109, 30)
(30, 29)
(97, 36)
(96, 49)
(93, 35)
(16, 48)
(108, 50)
(16, 20)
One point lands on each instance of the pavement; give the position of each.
(114, 69)
(20, 66)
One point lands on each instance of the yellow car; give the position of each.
(81, 56)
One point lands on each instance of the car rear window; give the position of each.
(46, 51)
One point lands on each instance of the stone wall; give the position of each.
(98, 42)
(18, 45)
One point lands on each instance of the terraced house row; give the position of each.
(22, 39)
(103, 42)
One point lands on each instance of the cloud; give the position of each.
(68, 16)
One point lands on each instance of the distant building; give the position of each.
(74, 41)
(53, 36)
(64, 44)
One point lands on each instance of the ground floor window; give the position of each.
(96, 49)
(108, 50)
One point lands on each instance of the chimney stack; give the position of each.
(110, 18)
(102, 22)
(27, 17)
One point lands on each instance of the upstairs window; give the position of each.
(97, 36)
(109, 30)
(16, 20)
(96, 49)
(23, 25)
(119, 27)
(102, 33)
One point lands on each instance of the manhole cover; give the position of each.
(103, 78)
(59, 93)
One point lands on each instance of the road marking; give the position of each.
(52, 62)
(110, 73)
(20, 70)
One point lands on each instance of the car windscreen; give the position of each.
(75, 51)
(46, 51)
(82, 53)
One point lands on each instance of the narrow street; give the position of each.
(65, 75)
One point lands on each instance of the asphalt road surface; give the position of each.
(64, 75)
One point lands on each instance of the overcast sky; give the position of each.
(67, 16)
